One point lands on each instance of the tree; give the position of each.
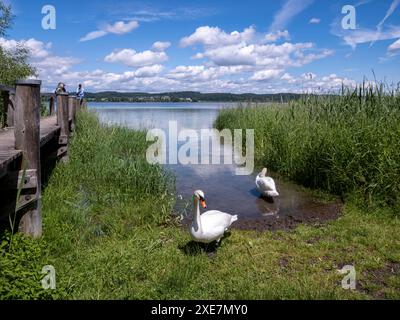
(5, 18)
(13, 63)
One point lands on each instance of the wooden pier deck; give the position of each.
(30, 146)
(48, 130)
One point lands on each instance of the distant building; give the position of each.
(186, 99)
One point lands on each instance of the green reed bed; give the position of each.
(347, 144)
(107, 190)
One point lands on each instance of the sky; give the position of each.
(268, 46)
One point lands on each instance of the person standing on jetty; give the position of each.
(80, 94)
(60, 88)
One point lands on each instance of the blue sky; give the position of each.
(210, 45)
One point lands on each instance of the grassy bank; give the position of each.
(347, 145)
(109, 235)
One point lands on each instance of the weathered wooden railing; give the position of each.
(29, 147)
(8, 95)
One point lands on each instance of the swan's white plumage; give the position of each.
(211, 225)
(266, 185)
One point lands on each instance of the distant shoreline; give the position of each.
(188, 96)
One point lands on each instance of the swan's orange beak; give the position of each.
(203, 203)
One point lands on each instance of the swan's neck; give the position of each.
(263, 173)
(197, 220)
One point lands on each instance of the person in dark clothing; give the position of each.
(60, 88)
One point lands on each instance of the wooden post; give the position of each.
(72, 111)
(78, 104)
(27, 139)
(51, 105)
(11, 110)
(5, 97)
(63, 122)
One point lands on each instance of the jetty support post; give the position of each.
(63, 123)
(27, 139)
(4, 96)
(72, 111)
(51, 105)
(11, 109)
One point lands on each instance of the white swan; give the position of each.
(266, 185)
(210, 225)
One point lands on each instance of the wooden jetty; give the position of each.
(29, 148)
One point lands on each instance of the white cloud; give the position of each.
(161, 46)
(245, 49)
(233, 62)
(360, 36)
(312, 83)
(266, 75)
(395, 46)
(201, 73)
(214, 36)
(231, 55)
(392, 50)
(364, 35)
(121, 27)
(40, 56)
(37, 49)
(93, 35)
(389, 12)
(287, 77)
(149, 71)
(303, 59)
(275, 36)
(131, 58)
(268, 55)
(118, 28)
(55, 64)
(314, 21)
(290, 9)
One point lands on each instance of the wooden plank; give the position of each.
(10, 110)
(8, 153)
(7, 89)
(71, 112)
(63, 122)
(48, 129)
(17, 179)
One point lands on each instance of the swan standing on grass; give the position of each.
(266, 185)
(211, 225)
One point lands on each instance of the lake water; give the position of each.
(224, 190)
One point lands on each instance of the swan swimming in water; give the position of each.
(211, 225)
(266, 185)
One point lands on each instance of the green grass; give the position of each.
(109, 234)
(347, 145)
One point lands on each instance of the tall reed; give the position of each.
(347, 144)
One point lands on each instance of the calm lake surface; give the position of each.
(224, 190)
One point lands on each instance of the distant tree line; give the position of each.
(189, 96)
